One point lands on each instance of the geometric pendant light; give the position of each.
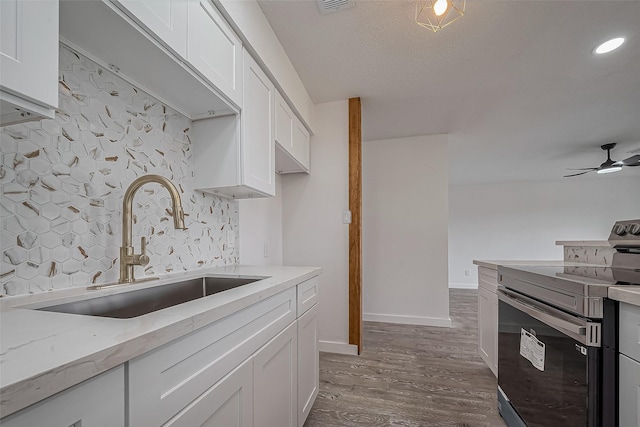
(437, 14)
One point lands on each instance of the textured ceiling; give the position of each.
(513, 83)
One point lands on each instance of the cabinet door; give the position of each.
(214, 50)
(275, 383)
(257, 142)
(301, 141)
(284, 124)
(488, 327)
(629, 392)
(630, 330)
(229, 403)
(167, 19)
(98, 402)
(308, 363)
(29, 50)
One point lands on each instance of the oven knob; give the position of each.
(634, 229)
(619, 230)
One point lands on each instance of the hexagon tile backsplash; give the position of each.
(63, 180)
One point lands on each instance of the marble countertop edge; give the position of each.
(626, 294)
(493, 264)
(592, 243)
(54, 360)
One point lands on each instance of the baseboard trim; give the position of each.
(463, 286)
(407, 320)
(337, 347)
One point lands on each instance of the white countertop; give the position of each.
(598, 243)
(628, 294)
(493, 264)
(42, 353)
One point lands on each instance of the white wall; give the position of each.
(404, 232)
(260, 223)
(313, 232)
(522, 220)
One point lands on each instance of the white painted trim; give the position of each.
(407, 320)
(463, 286)
(337, 347)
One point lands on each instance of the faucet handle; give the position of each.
(143, 259)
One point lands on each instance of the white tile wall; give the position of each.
(62, 182)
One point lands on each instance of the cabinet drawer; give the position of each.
(97, 402)
(488, 279)
(630, 330)
(167, 379)
(489, 273)
(308, 294)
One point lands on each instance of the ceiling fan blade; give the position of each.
(582, 169)
(631, 161)
(581, 173)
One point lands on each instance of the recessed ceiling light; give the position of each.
(608, 46)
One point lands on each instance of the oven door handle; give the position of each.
(588, 333)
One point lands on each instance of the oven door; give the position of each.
(549, 364)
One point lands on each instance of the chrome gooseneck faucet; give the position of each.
(129, 259)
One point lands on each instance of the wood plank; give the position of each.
(412, 376)
(355, 229)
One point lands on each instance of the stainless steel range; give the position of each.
(558, 338)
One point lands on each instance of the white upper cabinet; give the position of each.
(301, 140)
(145, 41)
(258, 149)
(167, 19)
(284, 124)
(28, 59)
(234, 155)
(214, 50)
(292, 139)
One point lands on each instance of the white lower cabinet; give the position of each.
(243, 370)
(629, 359)
(275, 381)
(255, 367)
(629, 405)
(166, 380)
(308, 362)
(229, 403)
(488, 317)
(97, 402)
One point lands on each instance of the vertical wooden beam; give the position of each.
(355, 229)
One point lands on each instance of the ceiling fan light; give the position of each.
(610, 169)
(608, 46)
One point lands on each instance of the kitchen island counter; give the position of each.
(493, 264)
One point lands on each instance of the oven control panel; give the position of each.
(625, 234)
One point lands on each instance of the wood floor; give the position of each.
(411, 376)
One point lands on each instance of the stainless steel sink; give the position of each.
(130, 304)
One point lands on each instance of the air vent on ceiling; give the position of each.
(330, 6)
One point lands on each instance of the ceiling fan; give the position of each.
(609, 165)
